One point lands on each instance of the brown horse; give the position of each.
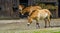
(37, 15)
(30, 9)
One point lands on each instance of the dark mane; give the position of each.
(32, 12)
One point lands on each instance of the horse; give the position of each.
(30, 9)
(43, 14)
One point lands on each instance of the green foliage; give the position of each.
(47, 6)
(50, 7)
(44, 6)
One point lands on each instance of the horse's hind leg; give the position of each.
(45, 23)
(49, 22)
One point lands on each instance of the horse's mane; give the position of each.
(23, 8)
(32, 12)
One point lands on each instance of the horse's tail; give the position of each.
(51, 16)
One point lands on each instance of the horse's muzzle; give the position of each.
(22, 14)
(28, 24)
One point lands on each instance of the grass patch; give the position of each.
(32, 31)
(57, 32)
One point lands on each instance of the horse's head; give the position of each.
(21, 7)
(23, 12)
(29, 21)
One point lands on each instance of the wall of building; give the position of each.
(7, 8)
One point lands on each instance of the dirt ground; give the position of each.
(21, 24)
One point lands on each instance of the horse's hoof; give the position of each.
(45, 26)
(27, 24)
(37, 27)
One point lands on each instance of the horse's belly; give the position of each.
(42, 16)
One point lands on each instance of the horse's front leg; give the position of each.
(37, 24)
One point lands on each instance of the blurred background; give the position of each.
(9, 8)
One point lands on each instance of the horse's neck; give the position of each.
(23, 8)
(32, 12)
